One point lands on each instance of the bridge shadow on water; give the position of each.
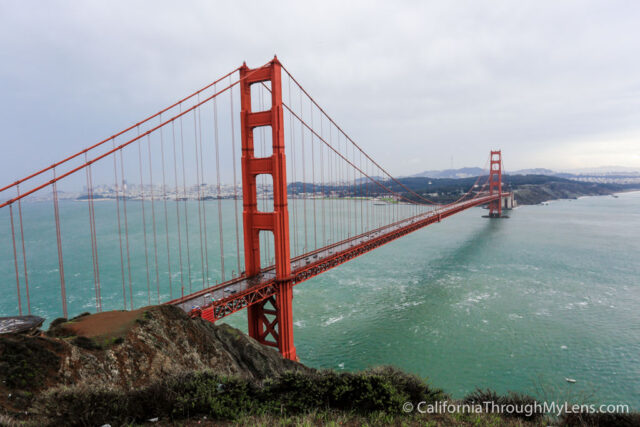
(471, 247)
(446, 280)
(389, 315)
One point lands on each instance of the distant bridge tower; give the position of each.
(495, 183)
(271, 320)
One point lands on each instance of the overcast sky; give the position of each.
(552, 83)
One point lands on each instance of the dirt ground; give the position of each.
(105, 324)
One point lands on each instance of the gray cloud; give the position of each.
(554, 84)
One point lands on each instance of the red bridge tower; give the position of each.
(270, 321)
(495, 183)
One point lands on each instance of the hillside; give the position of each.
(127, 349)
(528, 189)
(534, 189)
(451, 173)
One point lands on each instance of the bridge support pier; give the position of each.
(271, 320)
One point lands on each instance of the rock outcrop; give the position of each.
(127, 349)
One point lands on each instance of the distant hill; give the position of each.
(534, 171)
(605, 171)
(451, 173)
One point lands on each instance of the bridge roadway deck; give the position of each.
(237, 294)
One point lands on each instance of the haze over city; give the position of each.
(554, 87)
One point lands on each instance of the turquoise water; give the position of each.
(511, 304)
(188, 261)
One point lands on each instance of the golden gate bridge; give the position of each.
(305, 198)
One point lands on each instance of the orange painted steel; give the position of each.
(270, 319)
(495, 183)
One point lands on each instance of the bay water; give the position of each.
(552, 292)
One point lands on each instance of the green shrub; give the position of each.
(518, 400)
(218, 397)
(416, 389)
(85, 407)
(382, 390)
(297, 392)
(604, 420)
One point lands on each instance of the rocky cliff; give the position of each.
(125, 350)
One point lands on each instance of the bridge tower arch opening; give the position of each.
(271, 320)
(495, 183)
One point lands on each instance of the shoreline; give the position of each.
(581, 197)
(538, 194)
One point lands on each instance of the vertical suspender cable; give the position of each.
(144, 220)
(324, 197)
(332, 185)
(313, 180)
(24, 252)
(166, 214)
(115, 178)
(153, 216)
(360, 179)
(363, 189)
(91, 232)
(354, 192)
(293, 176)
(304, 181)
(15, 260)
(342, 223)
(347, 184)
(184, 188)
(177, 198)
(198, 192)
(235, 182)
(56, 213)
(366, 164)
(95, 237)
(204, 205)
(220, 231)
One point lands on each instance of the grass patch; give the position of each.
(97, 331)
